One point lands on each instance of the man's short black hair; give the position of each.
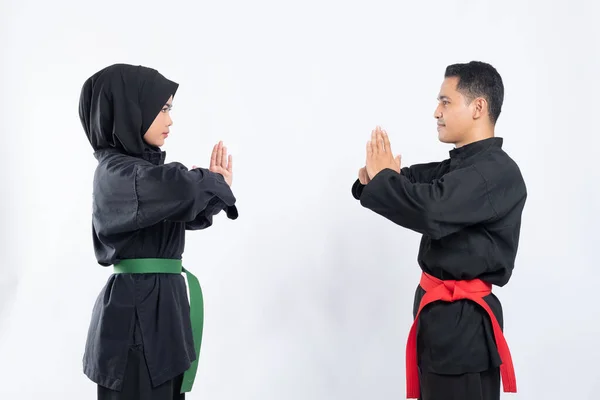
(479, 79)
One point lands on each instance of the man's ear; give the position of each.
(480, 107)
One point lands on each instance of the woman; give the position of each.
(142, 342)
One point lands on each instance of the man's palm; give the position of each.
(379, 154)
(363, 176)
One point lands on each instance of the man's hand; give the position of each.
(220, 163)
(363, 177)
(379, 154)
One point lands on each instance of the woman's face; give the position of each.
(159, 130)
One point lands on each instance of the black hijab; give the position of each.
(119, 103)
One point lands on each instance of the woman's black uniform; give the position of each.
(140, 339)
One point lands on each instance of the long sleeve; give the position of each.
(357, 189)
(171, 192)
(418, 173)
(128, 197)
(205, 218)
(425, 173)
(457, 199)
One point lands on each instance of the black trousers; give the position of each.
(137, 384)
(475, 386)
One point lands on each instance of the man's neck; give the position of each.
(475, 136)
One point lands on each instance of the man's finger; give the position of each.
(373, 147)
(230, 164)
(369, 150)
(374, 141)
(380, 146)
(386, 142)
(382, 135)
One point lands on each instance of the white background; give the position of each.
(308, 295)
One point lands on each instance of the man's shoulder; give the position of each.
(496, 165)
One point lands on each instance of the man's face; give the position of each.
(454, 116)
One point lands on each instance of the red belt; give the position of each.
(450, 291)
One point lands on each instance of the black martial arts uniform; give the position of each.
(140, 340)
(468, 209)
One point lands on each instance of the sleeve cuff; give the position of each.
(373, 186)
(357, 189)
(232, 212)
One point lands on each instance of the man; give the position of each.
(468, 209)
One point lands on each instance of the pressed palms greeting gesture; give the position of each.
(221, 163)
(379, 154)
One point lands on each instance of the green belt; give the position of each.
(169, 266)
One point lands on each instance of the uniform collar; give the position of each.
(156, 157)
(152, 155)
(473, 148)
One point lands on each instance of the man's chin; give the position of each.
(443, 138)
